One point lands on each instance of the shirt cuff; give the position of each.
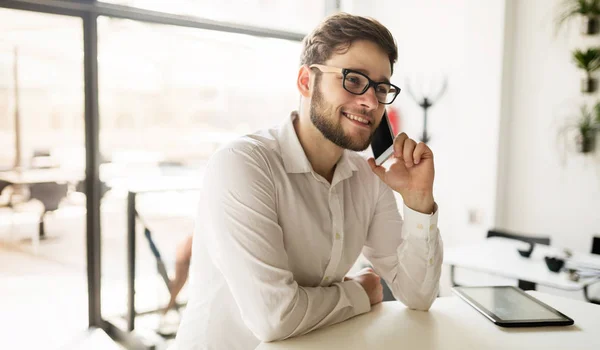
(421, 225)
(358, 297)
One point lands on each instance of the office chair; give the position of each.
(50, 194)
(80, 187)
(545, 240)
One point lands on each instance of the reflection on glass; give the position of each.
(508, 304)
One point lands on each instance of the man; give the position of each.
(287, 211)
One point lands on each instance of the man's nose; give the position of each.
(369, 99)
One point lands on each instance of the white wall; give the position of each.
(546, 187)
(495, 133)
(463, 39)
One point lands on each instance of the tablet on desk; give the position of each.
(508, 306)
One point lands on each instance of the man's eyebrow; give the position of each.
(382, 80)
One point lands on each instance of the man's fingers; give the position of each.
(407, 152)
(420, 150)
(377, 169)
(399, 144)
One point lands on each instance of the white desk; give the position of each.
(499, 256)
(450, 324)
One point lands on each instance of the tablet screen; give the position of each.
(509, 304)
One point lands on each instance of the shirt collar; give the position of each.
(294, 158)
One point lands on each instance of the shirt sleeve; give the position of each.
(239, 214)
(407, 253)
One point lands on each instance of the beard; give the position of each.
(322, 116)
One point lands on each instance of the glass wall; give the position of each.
(168, 97)
(42, 267)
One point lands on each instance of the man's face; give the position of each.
(332, 107)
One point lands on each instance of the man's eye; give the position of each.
(383, 89)
(353, 80)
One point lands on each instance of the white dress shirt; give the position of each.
(274, 240)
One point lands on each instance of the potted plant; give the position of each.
(587, 10)
(586, 136)
(588, 61)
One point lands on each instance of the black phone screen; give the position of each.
(382, 138)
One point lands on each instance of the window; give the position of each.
(171, 96)
(44, 289)
(182, 92)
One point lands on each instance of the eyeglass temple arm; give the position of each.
(326, 69)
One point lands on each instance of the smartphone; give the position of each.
(382, 143)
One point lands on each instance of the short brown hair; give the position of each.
(337, 32)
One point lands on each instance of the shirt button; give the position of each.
(420, 226)
(337, 235)
(430, 261)
(326, 278)
(432, 227)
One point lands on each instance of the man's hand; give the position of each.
(371, 283)
(411, 173)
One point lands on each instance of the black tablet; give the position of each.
(508, 306)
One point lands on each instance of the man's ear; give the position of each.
(303, 81)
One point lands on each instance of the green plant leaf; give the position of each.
(588, 60)
(597, 112)
(570, 8)
(585, 122)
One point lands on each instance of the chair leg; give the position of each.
(452, 281)
(42, 231)
(41, 234)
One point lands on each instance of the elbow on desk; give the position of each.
(269, 333)
(419, 305)
(272, 326)
(420, 302)
(278, 321)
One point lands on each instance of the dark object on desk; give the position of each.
(595, 250)
(596, 245)
(50, 194)
(508, 306)
(554, 264)
(526, 253)
(545, 240)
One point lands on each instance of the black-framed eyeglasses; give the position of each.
(358, 83)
